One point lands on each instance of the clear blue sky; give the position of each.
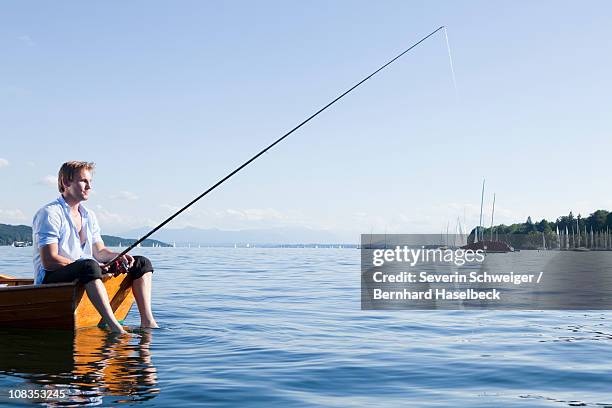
(167, 97)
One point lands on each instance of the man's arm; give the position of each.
(103, 254)
(51, 259)
(47, 227)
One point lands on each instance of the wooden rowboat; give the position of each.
(58, 305)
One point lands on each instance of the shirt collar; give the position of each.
(64, 204)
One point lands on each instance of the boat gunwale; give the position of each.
(32, 286)
(74, 283)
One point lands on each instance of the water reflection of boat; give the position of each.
(89, 365)
(58, 305)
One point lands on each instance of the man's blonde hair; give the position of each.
(69, 169)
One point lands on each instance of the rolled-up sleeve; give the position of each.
(95, 228)
(47, 226)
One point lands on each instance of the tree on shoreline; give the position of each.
(528, 235)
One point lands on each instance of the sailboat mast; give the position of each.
(492, 214)
(481, 203)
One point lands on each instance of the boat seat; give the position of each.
(6, 280)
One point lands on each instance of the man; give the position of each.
(68, 246)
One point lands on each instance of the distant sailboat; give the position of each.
(477, 238)
(462, 236)
(480, 242)
(492, 214)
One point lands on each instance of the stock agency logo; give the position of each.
(421, 272)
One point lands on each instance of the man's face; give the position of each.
(78, 189)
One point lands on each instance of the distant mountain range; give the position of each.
(191, 235)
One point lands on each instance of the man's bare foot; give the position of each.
(117, 329)
(152, 324)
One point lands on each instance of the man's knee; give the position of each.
(141, 266)
(89, 270)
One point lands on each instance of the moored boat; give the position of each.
(489, 246)
(58, 305)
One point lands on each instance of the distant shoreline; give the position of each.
(9, 234)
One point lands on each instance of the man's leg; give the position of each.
(141, 288)
(88, 272)
(141, 273)
(99, 298)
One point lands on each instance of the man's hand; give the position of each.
(103, 254)
(128, 259)
(121, 265)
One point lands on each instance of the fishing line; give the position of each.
(217, 184)
(450, 60)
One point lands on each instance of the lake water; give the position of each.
(283, 327)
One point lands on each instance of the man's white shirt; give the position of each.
(52, 224)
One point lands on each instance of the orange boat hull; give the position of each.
(58, 305)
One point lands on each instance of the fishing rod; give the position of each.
(280, 139)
